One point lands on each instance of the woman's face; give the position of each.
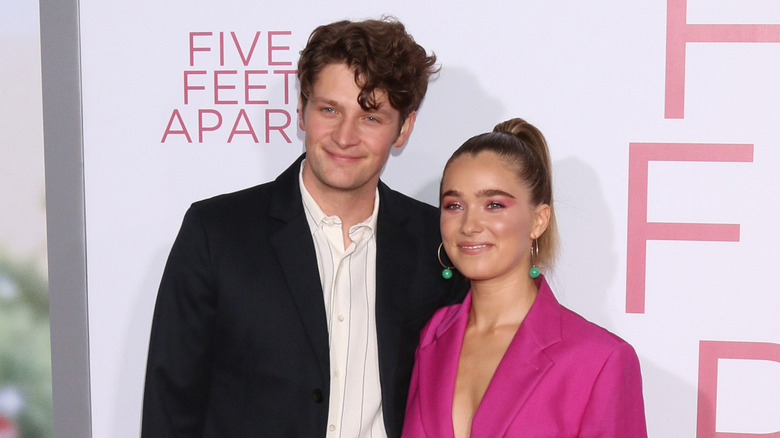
(487, 220)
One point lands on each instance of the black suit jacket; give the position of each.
(239, 343)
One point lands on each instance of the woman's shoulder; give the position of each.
(587, 337)
(440, 321)
(573, 328)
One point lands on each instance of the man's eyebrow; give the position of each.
(323, 100)
(381, 107)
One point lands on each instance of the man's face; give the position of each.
(347, 146)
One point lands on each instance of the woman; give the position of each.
(510, 361)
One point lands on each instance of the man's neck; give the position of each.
(352, 207)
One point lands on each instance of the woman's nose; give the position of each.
(472, 222)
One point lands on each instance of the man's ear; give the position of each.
(406, 129)
(541, 215)
(301, 124)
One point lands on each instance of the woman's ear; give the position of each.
(541, 217)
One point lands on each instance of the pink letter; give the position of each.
(187, 86)
(287, 74)
(679, 32)
(248, 87)
(183, 129)
(194, 49)
(272, 47)
(268, 126)
(202, 128)
(709, 353)
(640, 231)
(222, 49)
(251, 49)
(218, 87)
(250, 130)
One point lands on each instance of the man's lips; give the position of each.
(341, 157)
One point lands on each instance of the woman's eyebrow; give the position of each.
(485, 193)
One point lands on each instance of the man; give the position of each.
(294, 308)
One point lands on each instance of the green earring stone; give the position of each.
(534, 272)
(446, 273)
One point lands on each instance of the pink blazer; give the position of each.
(561, 376)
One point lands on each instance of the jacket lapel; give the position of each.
(438, 367)
(395, 264)
(294, 248)
(521, 369)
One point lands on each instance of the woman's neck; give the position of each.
(501, 302)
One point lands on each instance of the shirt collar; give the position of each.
(316, 217)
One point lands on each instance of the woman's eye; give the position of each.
(451, 206)
(494, 205)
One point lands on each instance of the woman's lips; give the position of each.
(473, 248)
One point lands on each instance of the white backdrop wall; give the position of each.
(662, 123)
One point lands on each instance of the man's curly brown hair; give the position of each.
(380, 52)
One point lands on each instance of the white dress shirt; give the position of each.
(349, 285)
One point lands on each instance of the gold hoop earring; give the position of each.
(534, 271)
(447, 272)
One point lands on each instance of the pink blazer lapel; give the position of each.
(521, 369)
(438, 367)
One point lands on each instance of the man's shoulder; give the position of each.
(236, 209)
(285, 186)
(239, 198)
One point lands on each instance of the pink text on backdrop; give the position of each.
(206, 43)
(709, 353)
(221, 96)
(679, 32)
(221, 87)
(210, 120)
(640, 230)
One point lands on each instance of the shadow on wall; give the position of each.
(455, 108)
(587, 254)
(670, 402)
(589, 264)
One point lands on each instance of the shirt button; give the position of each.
(336, 373)
(341, 318)
(332, 428)
(317, 395)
